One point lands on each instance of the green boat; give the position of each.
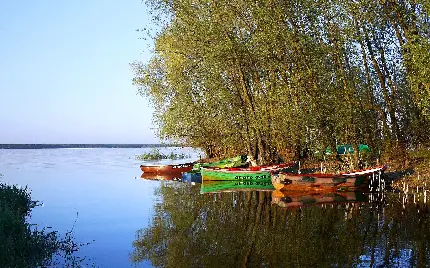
(258, 173)
(238, 161)
(235, 186)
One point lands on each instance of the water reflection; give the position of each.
(235, 186)
(251, 229)
(301, 199)
(162, 176)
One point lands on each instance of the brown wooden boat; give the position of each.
(161, 177)
(178, 168)
(347, 181)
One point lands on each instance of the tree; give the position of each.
(242, 77)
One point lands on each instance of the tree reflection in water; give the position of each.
(244, 229)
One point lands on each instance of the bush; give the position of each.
(22, 244)
(155, 154)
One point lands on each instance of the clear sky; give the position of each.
(65, 74)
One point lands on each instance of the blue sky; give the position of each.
(65, 74)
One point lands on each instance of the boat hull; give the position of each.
(222, 175)
(235, 186)
(351, 181)
(261, 173)
(167, 168)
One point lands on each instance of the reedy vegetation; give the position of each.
(23, 244)
(155, 154)
(268, 77)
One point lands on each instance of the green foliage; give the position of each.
(234, 77)
(418, 55)
(155, 154)
(421, 158)
(23, 245)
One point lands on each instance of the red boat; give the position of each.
(167, 168)
(355, 180)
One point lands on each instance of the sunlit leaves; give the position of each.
(261, 77)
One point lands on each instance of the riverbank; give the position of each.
(22, 244)
(404, 168)
(411, 170)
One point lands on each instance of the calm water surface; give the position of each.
(135, 222)
(99, 189)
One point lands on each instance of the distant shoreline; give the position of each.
(67, 146)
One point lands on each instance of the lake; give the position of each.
(133, 222)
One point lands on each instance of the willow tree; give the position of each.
(387, 65)
(411, 23)
(261, 77)
(194, 104)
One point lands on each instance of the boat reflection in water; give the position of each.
(284, 199)
(162, 177)
(235, 186)
(193, 177)
(187, 177)
(295, 199)
(249, 227)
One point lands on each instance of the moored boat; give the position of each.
(258, 173)
(177, 168)
(238, 161)
(347, 181)
(235, 186)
